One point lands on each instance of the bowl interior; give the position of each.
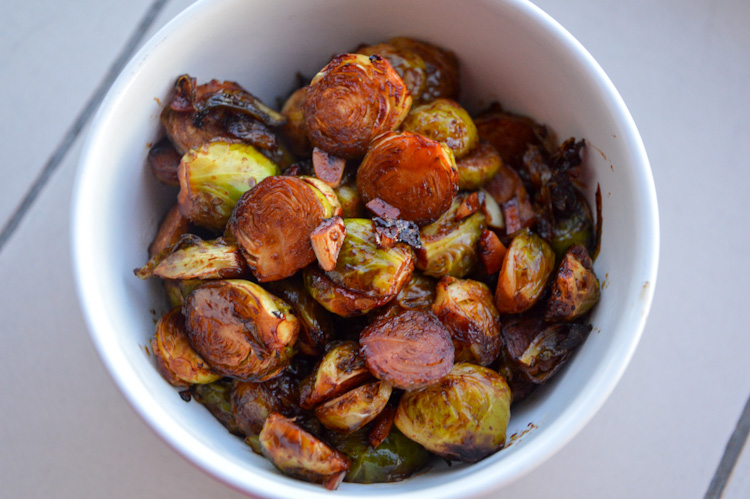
(509, 51)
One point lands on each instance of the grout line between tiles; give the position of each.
(80, 122)
(731, 455)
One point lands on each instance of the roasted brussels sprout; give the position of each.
(463, 417)
(407, 63)
(510, 134)
(575, 289)
(466, 308)
(449, 246)
(527, 265)
(294, 131)
(415, 174)
(214, 176)
(445, 121)
(240, 329)
(176, 360)
(441, 67)
(573, 227)
(538, 349)
(341, 368)
(410, 350)
(177, 290)
(355, 408)
(216, 397)
(273, 221)
(396, 458)
(193, 258)
(251, 405)
(299, 454)
(507, 189)
(366, 276)
(345, 106)
(478, 166)
(164, 160)
(351, 203)
(315, 321)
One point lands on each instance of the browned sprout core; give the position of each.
(351, 101)
(272, 224)
(410, 172)
(410, 350)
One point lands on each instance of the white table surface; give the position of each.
(683, 68)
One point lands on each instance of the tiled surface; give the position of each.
(682, 67)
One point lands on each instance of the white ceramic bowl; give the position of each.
(509, 51)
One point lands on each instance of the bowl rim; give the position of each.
(559, 433)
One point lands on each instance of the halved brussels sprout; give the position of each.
(463, 417)
(449, 247)
(410, 350)
(216, 397)
(414, 174)
(445, 121)
(466, 308)
(345, 107)
(396, 458)
(341, 369)
(478, 166)
(242, 330)
(538, 349)
(315, 321)
(193, 258)
(176, 360)
(441, 67)
(511, 134)
(251, 405)
(527, 266)
(366, 276)
(355, 408)
(407, 63)
(297, 453)
(575, 289)
(214, 176)
(294, 131)
(171, 229)
(573, 227)
(273, 221)
(417, 293)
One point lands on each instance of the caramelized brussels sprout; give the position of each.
(527, 265)
(445, 121)
(538, 349)
(355, 408)
(171, 228)
(449, 247)
(466, 308)
(294, 131)
(341, 369)
(366, 276)
(417, 293)
(414, 174)
(573, 227)
(510, 134)
(407, 63)
(164, 160)
(575, 289)
(315, 321)
(240, 329)
(251, 405)
(273, 221)
(478, 166)
(299, 454)
(441, 67)
(463, 417)
(216, 397)
(214, 176)
(396, 458)
(176, 360)
(193, 258)
(345, 106)
(410, 350)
